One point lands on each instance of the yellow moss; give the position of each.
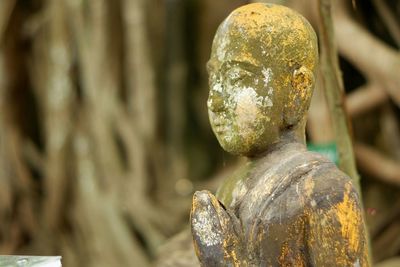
(246, 56)
(230, 245)
(350, 219)
(288, 258)
(252, 17)
(308, 186)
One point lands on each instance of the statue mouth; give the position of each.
(220, 128)
(219, 124)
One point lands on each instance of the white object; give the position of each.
(30, 261)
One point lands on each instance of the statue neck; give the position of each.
(276, 150)
(292, 139)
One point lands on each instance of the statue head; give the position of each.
(261, 77)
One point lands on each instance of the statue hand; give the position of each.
(215, 232)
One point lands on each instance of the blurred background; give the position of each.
(104, 134)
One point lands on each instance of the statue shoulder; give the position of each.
(287, 189)
(333, 212)
(328, 185)
(317, 183)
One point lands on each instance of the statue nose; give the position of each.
(215, 102)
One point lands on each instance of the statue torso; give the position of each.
(273, 203)
(296, 209)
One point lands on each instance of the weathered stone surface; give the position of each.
(286, 206)
(261, 76)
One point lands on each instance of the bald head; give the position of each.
(261, 70)
(261, 33)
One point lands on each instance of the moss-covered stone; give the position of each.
(286, 206)
(261, 76)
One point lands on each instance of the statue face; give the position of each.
(241, 105)
(260, 76)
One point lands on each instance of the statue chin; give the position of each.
(247, 144)
(239, 149)
(231, 143)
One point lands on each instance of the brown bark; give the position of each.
(335, 93)
(6, 8)
(319, 124)
(379, 66)
(365, 98)
(377, 165)
(388, 19)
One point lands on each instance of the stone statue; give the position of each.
(286, 206)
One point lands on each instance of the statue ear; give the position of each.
(214, 230)
(299, 96)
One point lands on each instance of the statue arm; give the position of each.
(337, 234)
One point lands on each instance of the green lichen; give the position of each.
(261, 76)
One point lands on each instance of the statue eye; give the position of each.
(236, 75)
